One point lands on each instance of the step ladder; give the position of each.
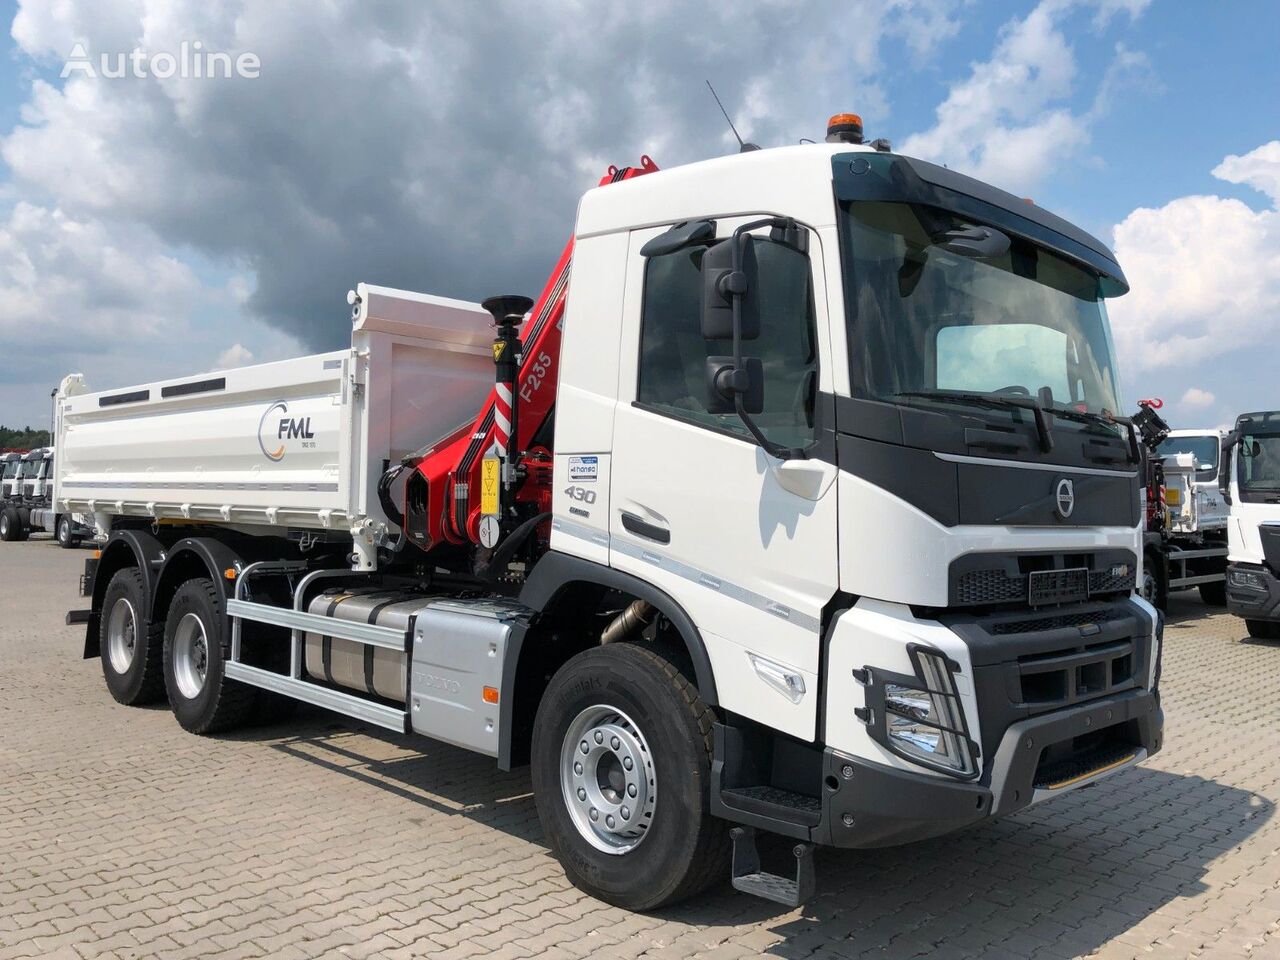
(749, 877)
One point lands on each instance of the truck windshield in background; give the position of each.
(1204, 449)
(1259, 470)
(924, 322)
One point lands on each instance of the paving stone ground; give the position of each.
(123, 836)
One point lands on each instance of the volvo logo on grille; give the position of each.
(1065, 498)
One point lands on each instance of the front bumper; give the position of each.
(866, 805)
(1261, 603)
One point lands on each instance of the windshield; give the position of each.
(1026, 323)
(1259, 471)
(11, 469)
(1205, 450)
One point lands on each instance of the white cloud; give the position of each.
(426, 147)
(1008, 122)
(1204, 271)
(236, 355)
(1198, 399)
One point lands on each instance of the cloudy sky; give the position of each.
(157, 227)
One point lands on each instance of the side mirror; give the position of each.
(720, 281)
(1226, 450)
(725, 383)
(1253, 447)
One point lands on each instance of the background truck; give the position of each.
(1250, 478)
(1185, 544)
(28, 502)
(794, 504)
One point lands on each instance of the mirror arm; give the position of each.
(775, 449)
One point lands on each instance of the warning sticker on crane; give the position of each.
(490, 467)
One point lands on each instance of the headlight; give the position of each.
(1247, 579)
(920, 717)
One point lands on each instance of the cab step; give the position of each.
(749, 877)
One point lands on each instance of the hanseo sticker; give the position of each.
(584, 469)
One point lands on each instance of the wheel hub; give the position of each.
(608, 779)
(190, 656)
(122, 635)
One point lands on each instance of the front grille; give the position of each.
(1078, 618)
(1003, 578)
(1074, 674)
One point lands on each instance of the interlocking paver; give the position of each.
(122, 835)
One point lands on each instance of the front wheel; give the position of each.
(621, 769)
(1154, 587)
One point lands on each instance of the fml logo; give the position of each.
(276, 427)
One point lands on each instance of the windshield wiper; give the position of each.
(1106, 419)
(998, 401)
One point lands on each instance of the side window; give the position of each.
(673, 353)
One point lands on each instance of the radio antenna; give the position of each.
(743, 146)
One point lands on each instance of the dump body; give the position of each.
(298, 443)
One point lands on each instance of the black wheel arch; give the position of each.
(124, 548)
(555, 577)
(191, 558)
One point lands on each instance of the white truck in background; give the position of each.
(1190, 548)
(800, 506)
(1250, 479)
(27, 506)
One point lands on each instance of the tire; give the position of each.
(9, 525)
(66, 539)
(201, 697)
(1214, 594)
(676, 848)
(1263, 629)
(130, 645)
(1155, 581)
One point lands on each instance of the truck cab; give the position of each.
(10, 465)
(1196, 505)
(1251, 485)
(36, 476)
(932, 493)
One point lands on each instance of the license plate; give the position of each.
(1172, 496)
(489, 486)
(1058, 586)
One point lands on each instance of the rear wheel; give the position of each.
(1214, 594)
(66, 533)
(202, 698)
(1263, 629)
(130, 647)
(621, 767)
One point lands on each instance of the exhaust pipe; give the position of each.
(638, 615)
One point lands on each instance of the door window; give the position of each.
(673, 352)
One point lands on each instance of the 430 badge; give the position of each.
(276, 429)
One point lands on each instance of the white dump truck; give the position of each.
(797, 503)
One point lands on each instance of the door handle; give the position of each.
(643, 528)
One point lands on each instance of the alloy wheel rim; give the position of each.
(608, 779)
(122, 635)
(190, 656)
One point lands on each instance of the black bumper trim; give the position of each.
(878, 806)
(1254, 604)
